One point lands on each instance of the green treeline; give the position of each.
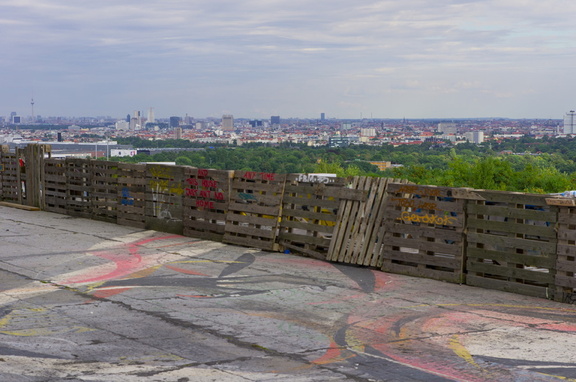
(527, 165)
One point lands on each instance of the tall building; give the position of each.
(174, 121)
(151, 118)
(476, 137)
(322, 116)
(447, 128)
(570, 122)
(136, 121)
(178, 133)
(275, 120)
(228, 122)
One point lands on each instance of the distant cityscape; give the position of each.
(86, 133)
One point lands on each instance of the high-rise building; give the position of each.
(151, 118)
(178, 133)
(136, 121)
(447, 128)
(476, 137)
(174, 121)
(228, 122)
(275, 120)
(322, 116)
(570, 122)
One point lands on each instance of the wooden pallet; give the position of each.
(55, 185)
(10, 178)
(205, 204)
(423, 232)
(358, 223)
(565, 279)
(78, 187)
(254, 211)
(131, 195)
(512, 243)
(104, 191)
(164, 195)
(309, 213)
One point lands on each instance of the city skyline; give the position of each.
(372, 59)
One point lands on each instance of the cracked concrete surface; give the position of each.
(83, 300)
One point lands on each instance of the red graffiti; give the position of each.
(192, 181)
(191, 192)
(202, 172)
(209, 183)
(126, 262)
(204, 204)
(267, 176)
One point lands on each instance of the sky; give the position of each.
(293, 58)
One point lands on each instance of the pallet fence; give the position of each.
(104, 191)
(310, 207)
(424, 232)
(254, 211)
(132, 184)
(55, 186)
(206, 201)
(514, 242)
(10, 175)
(164, 196)
(358, 223)
(565, 279)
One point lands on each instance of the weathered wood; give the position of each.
(19, 206)
(131, 195)
(78, 187)
(104, 190)
(254, 211)
(512, 244)
(164, 196)
(566, 255)
(55, 186)
(423, 232)
(525, 289)
(309, 213)
(570, 202)
(206, 202)
(10, 177)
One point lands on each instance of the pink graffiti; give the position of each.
(126, 262)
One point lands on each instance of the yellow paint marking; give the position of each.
(495, 305)
(207, 261)
(558, 377)
(461, 351)
(143, 273)
(43, 332)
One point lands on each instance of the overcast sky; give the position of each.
(293, 58)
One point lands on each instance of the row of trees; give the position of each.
(543, 166)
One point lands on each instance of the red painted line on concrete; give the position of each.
(125, 263)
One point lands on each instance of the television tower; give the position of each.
(32, 104)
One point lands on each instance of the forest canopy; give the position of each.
(545, 165)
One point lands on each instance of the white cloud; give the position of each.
(294, 57)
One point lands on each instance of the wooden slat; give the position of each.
(164, 197)
(131, 209)
(206, 202)
(254, 211)
(309, 212)
(512, 243)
